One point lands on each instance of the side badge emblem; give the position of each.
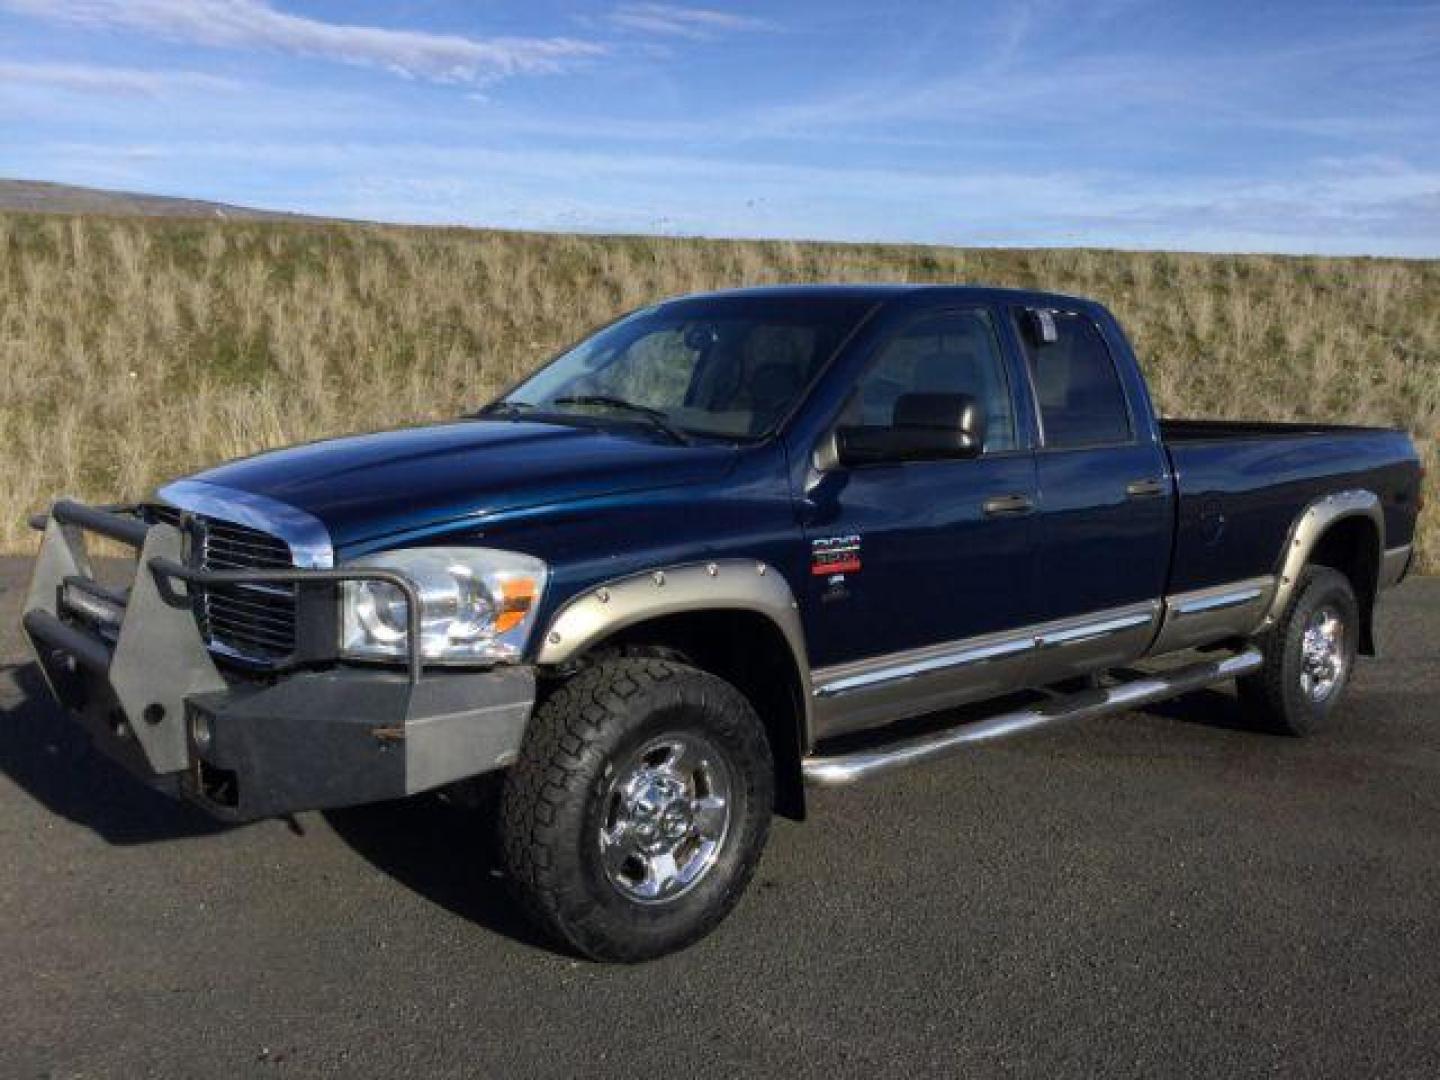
(835, 555)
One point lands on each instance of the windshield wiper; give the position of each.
(657, 418)
(505, 408)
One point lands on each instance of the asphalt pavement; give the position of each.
(1157, 894)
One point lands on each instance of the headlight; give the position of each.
(476, 604)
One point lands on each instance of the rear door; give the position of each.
(1106, 496)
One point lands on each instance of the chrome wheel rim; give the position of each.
(1322, 654)
(665, 818)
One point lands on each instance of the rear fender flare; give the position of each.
(1312, 524)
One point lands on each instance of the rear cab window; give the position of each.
(1077, 386)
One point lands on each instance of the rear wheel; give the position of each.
(1309, 655)
(639, 807)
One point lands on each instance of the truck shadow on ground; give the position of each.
(1210, 708)
(445, 853)
(50, 757)
(449, 854)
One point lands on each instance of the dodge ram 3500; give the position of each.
(672, 577)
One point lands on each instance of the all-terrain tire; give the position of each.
(1296, 692)
(583, 749)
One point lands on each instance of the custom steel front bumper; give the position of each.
(131, 666)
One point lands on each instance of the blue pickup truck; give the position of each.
(728, 546)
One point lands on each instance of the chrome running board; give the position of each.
(838, 769)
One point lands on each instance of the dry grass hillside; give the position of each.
(133, 350)
(44, 197)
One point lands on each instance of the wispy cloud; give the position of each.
(668, 20)
(450, 58)
(1321, 88)
(1340, 205)
(96, 78)
(1046, 121)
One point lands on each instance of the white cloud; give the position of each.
(448, 58)
(668, 20)
(93, 78)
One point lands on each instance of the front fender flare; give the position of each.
(722, 585)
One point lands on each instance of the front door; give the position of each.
(912, 561)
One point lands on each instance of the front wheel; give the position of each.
(638, 809)
(1309, 655)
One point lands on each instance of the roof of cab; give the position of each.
(887, 292)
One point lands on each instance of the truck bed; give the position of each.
(1243, 484)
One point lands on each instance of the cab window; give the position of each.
(953, 352)
(1082, 402)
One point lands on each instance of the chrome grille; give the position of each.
(255, 621)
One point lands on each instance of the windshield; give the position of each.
(731, 367)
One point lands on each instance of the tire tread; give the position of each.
(1266, 695)
(563, 749)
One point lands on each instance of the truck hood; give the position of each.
(367, 487)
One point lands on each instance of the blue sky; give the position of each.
(1256, 126)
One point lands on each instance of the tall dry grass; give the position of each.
(133, 350)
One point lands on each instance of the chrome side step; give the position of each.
(840, 769)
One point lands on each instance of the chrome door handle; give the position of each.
(1148, 488)
(1008, 505)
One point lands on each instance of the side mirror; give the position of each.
(927, 427)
